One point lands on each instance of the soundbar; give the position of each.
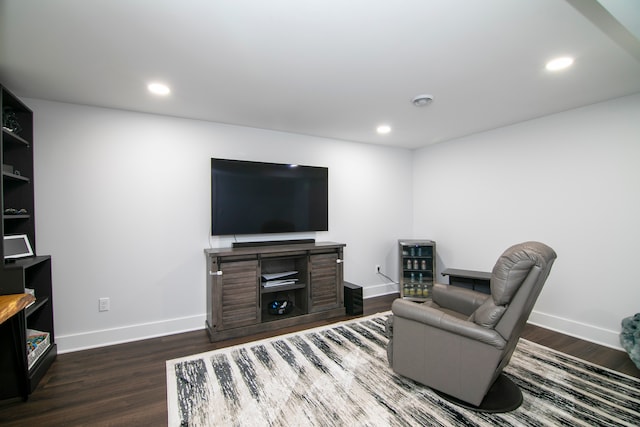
(272, 243)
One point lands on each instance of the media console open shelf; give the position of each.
(238, 297)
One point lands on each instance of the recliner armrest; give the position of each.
(435, 318)
(460, 300)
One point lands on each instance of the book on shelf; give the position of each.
(30, 292)
(37, 344)
(281, 275)
(280, 282)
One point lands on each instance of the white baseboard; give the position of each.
(102, 338)
(106, 337)
(569, 327)
(575, 329)
(379, 290)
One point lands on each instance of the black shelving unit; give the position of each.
(20, 368)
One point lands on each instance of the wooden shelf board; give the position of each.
(10, 305)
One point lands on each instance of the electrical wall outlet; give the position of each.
(378, 268)
(104, 304)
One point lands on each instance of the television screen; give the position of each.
(256, 198)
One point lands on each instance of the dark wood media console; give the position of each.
(238, 298)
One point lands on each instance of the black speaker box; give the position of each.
(353, 298)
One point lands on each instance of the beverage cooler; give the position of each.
(417, 268)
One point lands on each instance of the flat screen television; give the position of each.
(258, 198)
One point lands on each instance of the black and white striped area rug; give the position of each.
(338, 375)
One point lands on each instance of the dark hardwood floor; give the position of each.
(125, 385)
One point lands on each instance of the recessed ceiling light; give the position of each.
(159, 89)
(558, 64)
(382, 129)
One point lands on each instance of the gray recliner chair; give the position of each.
(459, 342)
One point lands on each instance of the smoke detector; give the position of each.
(422, 100)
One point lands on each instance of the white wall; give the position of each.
(571, 180)
(122, 202)
(123, 207)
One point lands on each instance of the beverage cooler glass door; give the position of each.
(417, 258)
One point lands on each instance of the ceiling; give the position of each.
(329, 68)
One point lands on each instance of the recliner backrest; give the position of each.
(521, 304)
(515, 318)
(516, 282)
(515, 278)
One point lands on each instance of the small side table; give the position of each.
(470, 279)
(10, 306)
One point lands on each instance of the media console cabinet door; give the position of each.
(236, 294)
(325, 276)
